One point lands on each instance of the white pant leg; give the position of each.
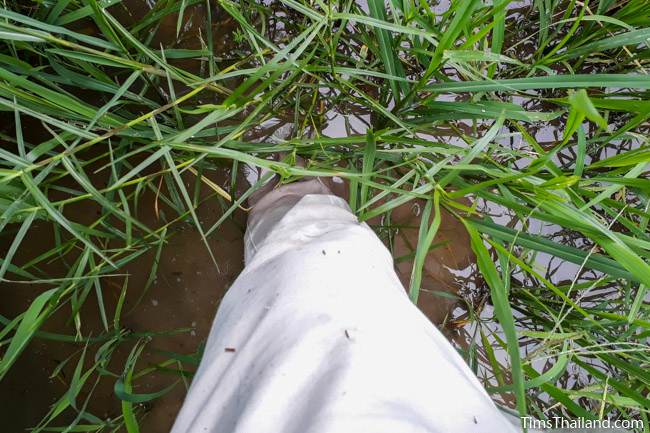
(318, 335)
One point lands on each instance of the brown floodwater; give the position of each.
(183, 296)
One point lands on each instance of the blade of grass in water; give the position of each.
(544, 82)
(503, 313)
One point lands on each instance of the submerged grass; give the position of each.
(452, 101)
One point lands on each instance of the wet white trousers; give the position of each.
(318, 335)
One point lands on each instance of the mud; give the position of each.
(449, 267)
(179, 304)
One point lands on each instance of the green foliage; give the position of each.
(454, 104)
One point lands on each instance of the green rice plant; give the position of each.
(535, 114)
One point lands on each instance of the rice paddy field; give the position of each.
(499, 149)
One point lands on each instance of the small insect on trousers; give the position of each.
(318, 335)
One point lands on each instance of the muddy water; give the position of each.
(187, 288)
(183, 296)
(449, 267)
